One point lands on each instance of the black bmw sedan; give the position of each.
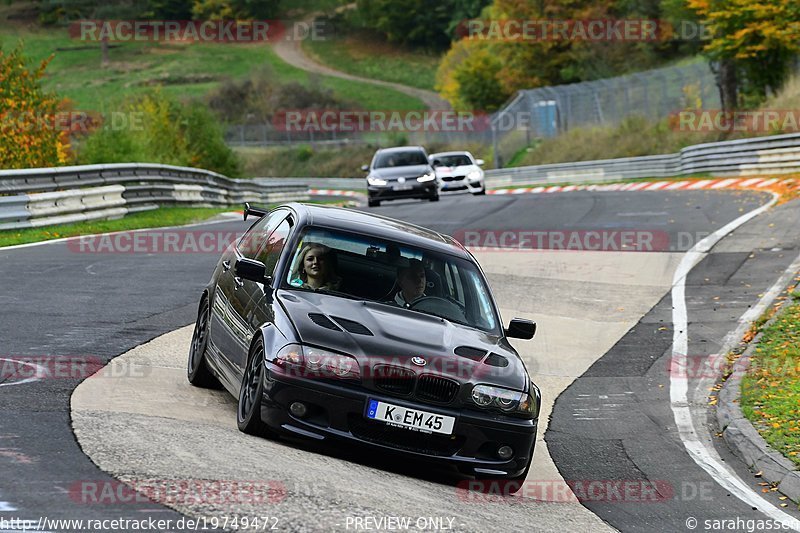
(332, 324)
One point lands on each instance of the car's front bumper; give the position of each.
(338, 411)
(426, 189)
(474, 185)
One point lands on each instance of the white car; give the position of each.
(458, 171)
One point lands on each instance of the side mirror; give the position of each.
(252, 270)
(480, 162)
(520, 328)
(365, 168)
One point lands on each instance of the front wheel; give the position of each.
(434, 198)
(373, 203)
(197, 370)
(248, 412)
(480, 192)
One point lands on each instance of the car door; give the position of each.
(227, 327)
(249, 296)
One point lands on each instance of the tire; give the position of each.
(248, 410)
(434, 198)
(480, 192)
(197, 370)
(373, 203)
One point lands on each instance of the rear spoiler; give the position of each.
(248, 210)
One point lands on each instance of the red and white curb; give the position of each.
(686, 185)
(692, 185)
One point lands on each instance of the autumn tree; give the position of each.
(32, 134)
(751, 45)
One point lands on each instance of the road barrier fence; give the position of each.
(51, 196)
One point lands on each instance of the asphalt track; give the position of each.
(59, 303)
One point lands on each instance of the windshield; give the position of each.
(366, 268)
(451, 161)
(400, 159)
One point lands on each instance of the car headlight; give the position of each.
(508, 401)
(474, 175)
(430, 176)
(376, 181)
(291, 354)
(319, 363)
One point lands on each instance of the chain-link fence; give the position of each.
(531, 114)
(549, 111)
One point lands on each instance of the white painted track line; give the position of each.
(706, 457)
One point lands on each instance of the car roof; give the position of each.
(377, 226)
(400, 149)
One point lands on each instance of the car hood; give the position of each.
(391, 173)
(383, 334)
(462, 169)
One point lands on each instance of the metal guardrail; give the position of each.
(51, 196)
(779, 154)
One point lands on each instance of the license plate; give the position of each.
(403, 187)
(414, 419)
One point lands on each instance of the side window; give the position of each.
(256, 237)
(270, 252)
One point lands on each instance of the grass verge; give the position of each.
(342, 161)
(162, 217)
(771, 387)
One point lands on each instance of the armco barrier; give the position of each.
(50, 196)
(757, 156)
(779, 154)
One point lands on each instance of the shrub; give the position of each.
(31, 132)
(159, 130)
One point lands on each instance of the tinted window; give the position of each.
(400, 159)
(452, 161)
(256, 237)
(271, 250)
(376, 269)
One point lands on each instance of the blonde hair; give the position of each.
(299, 271)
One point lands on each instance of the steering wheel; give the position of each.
(440, 307)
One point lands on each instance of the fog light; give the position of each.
(299, 409)
(505, 452)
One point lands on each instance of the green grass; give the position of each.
(183, 70)
(771, 388)
(371, 57)
(162, 217)
(342, 161)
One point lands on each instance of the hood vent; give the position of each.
(496, 360)
(322, 320)
(352, 326)
(470, 353)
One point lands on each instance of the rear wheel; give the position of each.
(197, 371)
(248, 412)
